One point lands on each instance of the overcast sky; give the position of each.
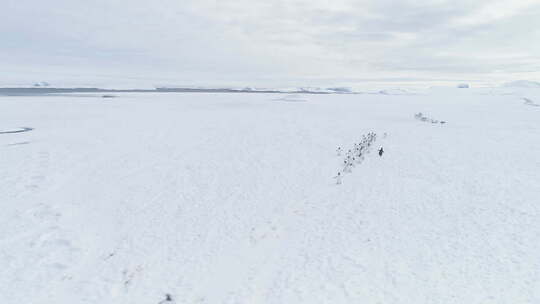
(268, 43)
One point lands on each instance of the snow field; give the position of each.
(228, 198)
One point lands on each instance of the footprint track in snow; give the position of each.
(38, 172)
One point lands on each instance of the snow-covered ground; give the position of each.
(230, 198)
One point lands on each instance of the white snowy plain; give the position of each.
(230, 198)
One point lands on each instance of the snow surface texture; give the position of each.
(291, 98)
(530, 102)
(522, 84)
(229, 198)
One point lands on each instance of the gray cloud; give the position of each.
(270, 43)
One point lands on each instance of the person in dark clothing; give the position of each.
(381, 151)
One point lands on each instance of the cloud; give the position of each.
(273, 42)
